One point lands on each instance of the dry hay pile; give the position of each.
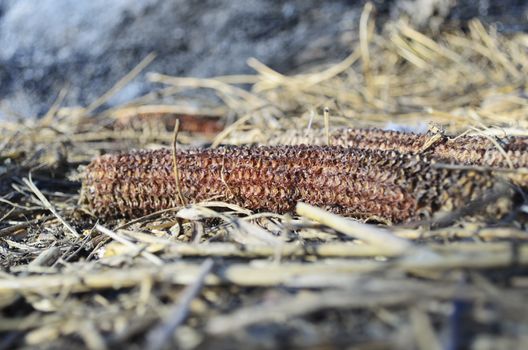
(219, 275)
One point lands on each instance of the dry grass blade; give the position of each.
(52, 111)
(365, 33)
(183, 202)
(225, 90)
(358, 296)
(160, 335)
(264, 275)
(225, 133)
(121, 83)
(244, 232)
(296, 306)
(423, 330)
(251, 251)
(137, 250)
(377, 237)
(46, 257)
(29, 183)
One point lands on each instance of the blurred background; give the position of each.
(86, 46)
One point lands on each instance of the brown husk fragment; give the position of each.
(352, 182)
(209, 125)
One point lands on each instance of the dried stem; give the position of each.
(175, 163)
(160, 335)
(377, 237)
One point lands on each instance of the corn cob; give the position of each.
(352, 182)
(465, 150)
(209, 125)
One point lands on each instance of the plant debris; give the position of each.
(216, 272)
(491, 151)
(360, 183)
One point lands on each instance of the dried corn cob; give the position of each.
(352, 182)
(209, 125)
(465, 150)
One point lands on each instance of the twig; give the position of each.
(222, 249)
(50, 114)
(229, 129)
(270, 274)
(426, 338)
(326, 116)
(91, 336)
(364, 45)
(13, 228)
(297, 306)
(6, 215)
(120, 84)
(254, 233)
(159, 336)
(48, 205)
(434, 139)
(384, 240)
(149, 256)
(47, 257)
(304, 303)
(175, 163)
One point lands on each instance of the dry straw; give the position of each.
(70, 279)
